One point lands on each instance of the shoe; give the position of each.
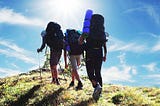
(57, 82)
(71, 84)
(79, 86)
(97, 92)
(53, 81)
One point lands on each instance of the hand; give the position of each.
(104, 58)
(80, 40)
(39, 50)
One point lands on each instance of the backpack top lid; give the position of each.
(96, 37)
(72, 36)
(97, 19)
(70, 31)
(52, 27)
(54, 36)
(97, 27)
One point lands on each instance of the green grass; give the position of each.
(30, 89)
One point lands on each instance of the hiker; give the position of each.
(54, 39)
(96, 52)
(74, 52)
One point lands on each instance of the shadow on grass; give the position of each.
(51, 100)
(85, 103)
(23, 99)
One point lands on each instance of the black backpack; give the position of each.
(97, 35)
(54, 36)
(71, 37)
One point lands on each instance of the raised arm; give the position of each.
(43, 45)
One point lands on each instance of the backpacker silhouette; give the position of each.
(54, 36)
(71, 37)
(97, 35)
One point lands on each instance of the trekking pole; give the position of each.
(62, 71)
(46, 50)
(39, 66)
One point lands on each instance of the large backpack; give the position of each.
(71, 37)
(54, 36)
(97, 35)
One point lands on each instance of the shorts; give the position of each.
(75, 61)
(55, 57)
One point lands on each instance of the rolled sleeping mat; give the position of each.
(86, 23)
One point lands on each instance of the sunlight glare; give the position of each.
(68, 13)
(65, 12)
(63, 6)
(66, 6)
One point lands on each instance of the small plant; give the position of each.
(117, 99)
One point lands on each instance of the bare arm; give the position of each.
(65, 58)
(105, 52)
(65, 53)
(81, 40)
(43, 45)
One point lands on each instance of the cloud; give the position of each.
(150, 10)
(14, 65)
(12, 46)
(155, 38)
(154, 79)
(156, 47)
(155, 76)
(122, 58)
(115, 44)
(130, 10)
(10, 17)
(8, 72)
(12, 50)
(120, 73)
(150, 67)
(118, 45)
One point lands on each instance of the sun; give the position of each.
(69, 13)
(66, 6)
(62, 6)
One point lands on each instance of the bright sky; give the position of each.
(133, 47)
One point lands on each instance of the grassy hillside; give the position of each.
(30, 89)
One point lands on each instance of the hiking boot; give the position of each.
(71, 84)
(97, 92)
(53, 80)
(79, 86)
(57, 82)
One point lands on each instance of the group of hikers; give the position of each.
(92, 40)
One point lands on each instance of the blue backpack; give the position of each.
(71, 38)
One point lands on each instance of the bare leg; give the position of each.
(76, 74)
(54, 74)
(73, 76)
